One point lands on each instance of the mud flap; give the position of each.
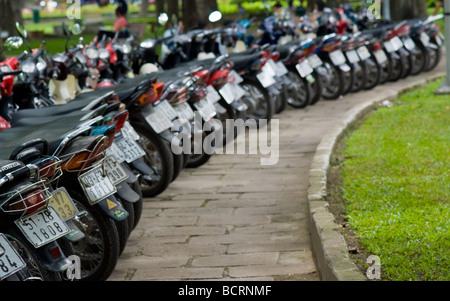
(75, 234)
(112, 208)
(125, 192)
(47, 258)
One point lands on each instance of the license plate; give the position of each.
(184, 111)
(337, 58)
(128, 131)
(115, 151)
(206, 109)
(43, 227)
(438, 40)
(268, 68)
(380, 56)
(352, 56)
(166, 108)
(409, 44)
(96, 185)
(131, 149)
(227, 93)
(304, 69)
(281, 69)
(10, 260)
(389, 47)
(158, 121)
(212, 95)
(363, 53)
(425, 39)
(114, 170)
(237, 78)
(315, 61)
(63, 204)
(238, 91)
(265, 78)
(276, 68)
(397, 43)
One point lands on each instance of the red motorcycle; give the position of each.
(8, 69)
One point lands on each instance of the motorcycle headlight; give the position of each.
(41, 65)
(126, 49)
(28, 67)
(92, 53)
(5, 68)
(147, 44)
(103, 54)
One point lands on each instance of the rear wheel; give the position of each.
(261, 103)
(299, 93)
(332, 81)
(373, 74)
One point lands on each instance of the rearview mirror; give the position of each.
(13, 43)
(215, 16)
(21, 30)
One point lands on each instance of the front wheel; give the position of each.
(299, 93)
(332, 81)
(260, 103)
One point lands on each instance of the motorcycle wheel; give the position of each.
(359, 77)
(158, 156)
(196, 160)
(396, 70)
(261, 106)
(124, 227)
(99, 249)
(229, 114)
(435, 56)
(419, 60)
(316, 89)
(282, 101)
(407, 64)
(178, 164)
(34, 269)
(299, 93)
(373, 74)
(385, 71)
(332, 81)
(349, 79)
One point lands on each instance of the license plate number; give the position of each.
(166, 108)
(381, 57)
(184, 111)
(237, 78)
(10, 260)
(43, 227)
(352, 56)
(397, 43)
(315, 61)
(304, 69)
(337, 57)
(96, 185)
(114, 170)
(389, 47)
(63, 204)
(425, 39)
(281, 69)
(131, 149)
(128, 131)
(115, 151)
(363, 53)
(158, 121)
(265, 78)
(409, 44)
(212, 95)
(227, 93)
(206, 109)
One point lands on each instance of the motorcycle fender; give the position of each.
(112, 208)
(167, 135)
(75, 234)
(125, 192)
(132, 178)
(273, 90)
(219, 108)
(395, 55)
(433, 46)
(59, 264)
(142, 167)
(345, 67)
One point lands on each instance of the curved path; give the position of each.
(234, 219)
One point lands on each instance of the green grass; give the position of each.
(396, 186)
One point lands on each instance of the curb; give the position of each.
(328, 245)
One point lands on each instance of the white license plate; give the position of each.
(265, 78)
(363, 53)
(352, 56)
(304, 69)
(227, 93)
(63, 204)
(158, 121)
(238, 91)
(389, 47)
(166, 108)
(281, 69)
(131, 149)
(128, 131)
(315, 61)
(115, 151)
(212, 95)
(43, 227)
(114, 170)
(206, 109)
(337, 58)
(237, 78)
(380, 56)
(185, 111)
(397, 43)
(409, 44)
(274, 67)
(10, 260)
(96, 185)
(269, 69)
(438, 40)
(425, 39)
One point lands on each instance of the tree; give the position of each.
(10, 13)
(408, 9)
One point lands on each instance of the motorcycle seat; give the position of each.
(242, 61)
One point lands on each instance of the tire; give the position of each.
(316, 89)
(178, 164)
(407, 61)
(299, 93)
(223, 117)
(359, 77)
(7, 108)
(99, 250)
(349, 78)
(159, 157)
(34, 269)
(332, 81)
(419, 60)
(197, 160)
(282, 101)
(385, 71)
(435, 56)
(262, 103)
(396, 69)
(373, 74)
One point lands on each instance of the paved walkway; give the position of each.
(233, 219)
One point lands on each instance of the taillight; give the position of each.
(86, 158)
(179, 96)
(198, 94)
(203, 76)
(219, 78)
(377, 46)
(152, 95)
(49, 169)
(275, 56)
(28, 199)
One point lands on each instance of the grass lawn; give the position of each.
(396, 186)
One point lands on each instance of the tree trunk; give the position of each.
(190, 14)
(10, 12)
(144, 8)
(172, 10)
(204, 8)
(408, 9)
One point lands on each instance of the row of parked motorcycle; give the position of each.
(87, 134)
